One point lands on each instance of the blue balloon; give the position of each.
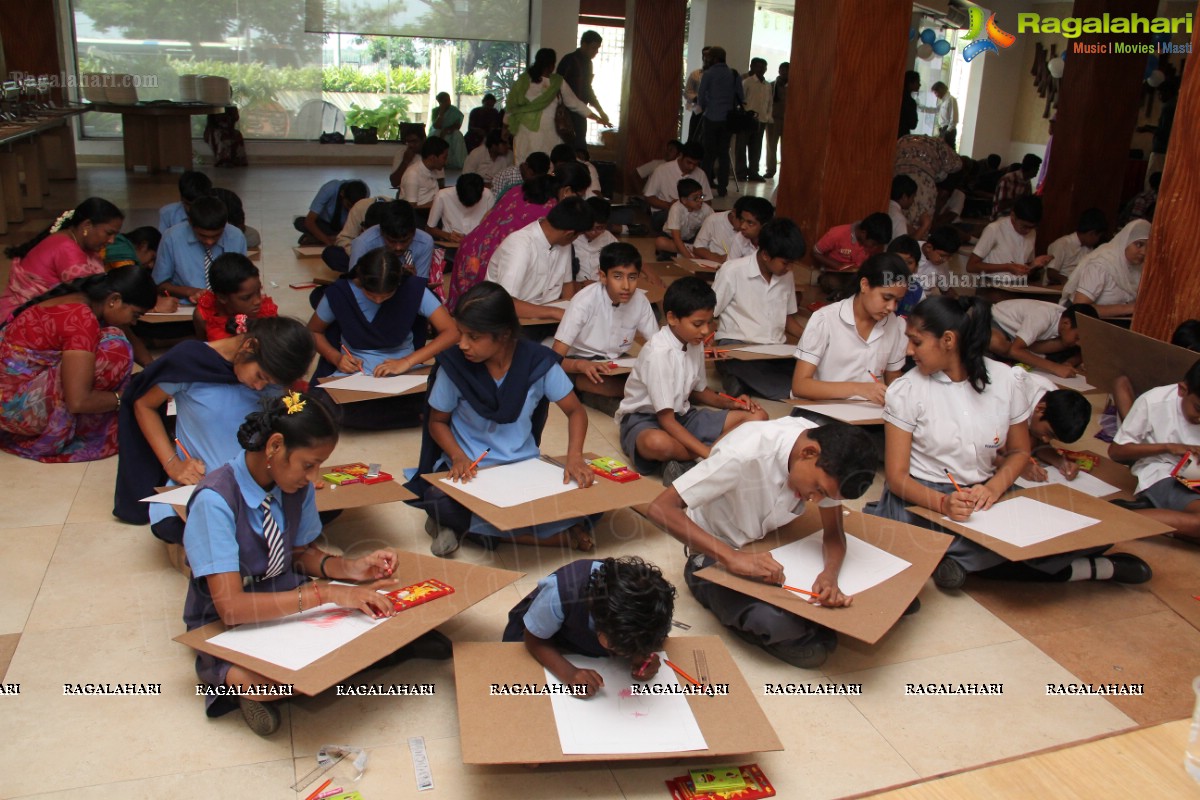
(928, 36)
(912, 34)
(1151, 65)
(941, 47)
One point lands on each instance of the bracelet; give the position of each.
(118, 396)
(300, 598)
(942, 504)
(317, 588)
(328, 556)
(169, 460)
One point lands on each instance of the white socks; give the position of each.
(1081, 569)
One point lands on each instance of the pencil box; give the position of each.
(419, 593)
(353, 473)
(613, 469)
(1084, 459)
(756, 786)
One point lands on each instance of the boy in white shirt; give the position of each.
(662, 188)
(1029, 330)
(1061, 414)
(933, 271)
(1162, 427)
(490, 157)
(534, 263)
(458, 209)
(904, 194)
(657, 423)
(1067, 251)
(684, 219)
(756, 304)
(756, 480)
(588, 247)
(423, 178)
(1005, 249)
(602, 320)
(724, 237)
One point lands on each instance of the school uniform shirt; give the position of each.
(595, 327)
(480, 162)
(353, 227)
(1067, 252)
(665, 375)
(686, 222)
(953, 426)
(373, 358)
(171, 215)
(419, 253)
(207, 418)
(933, 276)
(325, 202)
(1001, 244)
(1028, 320)
(831, 343)
(593, 189)
(899, 221)
(211, 539)
(545, 616)
(509, 442)
(1032, 386)
(739, 493)
(741, 247)
(449, 214)
(529, 267)
(664, 181)
(752, 308)
(587, 253)
(647, 169)
(717, 234)
(180, 257)
(840, 244)
(419, 184)
(1157, 418)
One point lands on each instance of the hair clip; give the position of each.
(240, 322)
(294, 403)
(62, 218)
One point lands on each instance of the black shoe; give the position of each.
(722, 192)
(1132, 505)
(1129, 569)
(262, 718)
(768, 175)
(663, 255)
(433, 646)
(733, 385)
(673, 469)
(756, 179)
(913, 607)
(949, 574)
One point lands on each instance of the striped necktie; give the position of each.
(207, 266)
(275, 553)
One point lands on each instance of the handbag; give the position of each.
(564, 123)
(739, 119)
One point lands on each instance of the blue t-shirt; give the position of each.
(325, 203)
(373, 358)
(180, 257)
(421, 249)
(210, 537)
(171, 215)
(545, 615)
(207, 419)
(509, 442)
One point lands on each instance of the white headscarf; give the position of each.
(1109, 261)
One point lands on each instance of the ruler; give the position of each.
(316, 773)
(420, 759)
(701, 666)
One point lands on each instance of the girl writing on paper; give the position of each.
(376, 322)
(944, 423)
(249, 539)
(63, 363)
(214, 385)
(490, 398)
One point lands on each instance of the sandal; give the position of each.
(581, 540)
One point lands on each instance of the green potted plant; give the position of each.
(381, 122)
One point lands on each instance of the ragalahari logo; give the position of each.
(997, 38)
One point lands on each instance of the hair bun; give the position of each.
(255, 430)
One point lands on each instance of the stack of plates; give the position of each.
(214, 90)
(187, 88)
(92, 85)
(120, 89)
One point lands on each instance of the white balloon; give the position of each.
(924, 52)
(1056, 65)
(1156, 79)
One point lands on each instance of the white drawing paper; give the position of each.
(1078, 383)
(779, 350)
(848, 412)
(178, 496)
(865, 565)
(616, 721)
(626, 362)
(396, 384)
(1084, 482)
(511, 485)
(1023, 521)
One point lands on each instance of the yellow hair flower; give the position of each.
(294, 403)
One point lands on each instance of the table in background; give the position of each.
(157, 136)
(33, 152)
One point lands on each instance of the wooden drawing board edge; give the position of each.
(1116, 524)
(874, 611)
(344, 396)
(797, 402)
(732, 725)
(341, 498)
(1110, 350)
(472, 583)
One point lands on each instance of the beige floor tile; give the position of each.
(40, 494)
(269, 780)
(94, 500)
(935, 734)
(8, 646)
(25, 555)
(144, 589)
(115, 738)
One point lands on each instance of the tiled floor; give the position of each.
(84, 598)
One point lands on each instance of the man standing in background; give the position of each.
(775, 123)
(691, 90)
(945, 124)
(720, 90)
(749, 142)
(576, 69)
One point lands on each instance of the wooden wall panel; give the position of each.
(844, 91)
(1170, 291)
(653, 82)
(30, 38)
(1097, 112)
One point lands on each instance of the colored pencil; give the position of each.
(957, 488)
(347, 352)
(681, 673)
(737, 400)
(183, 450)
(796, 589)
(320, 789)
(482, 456)
(874, 377)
